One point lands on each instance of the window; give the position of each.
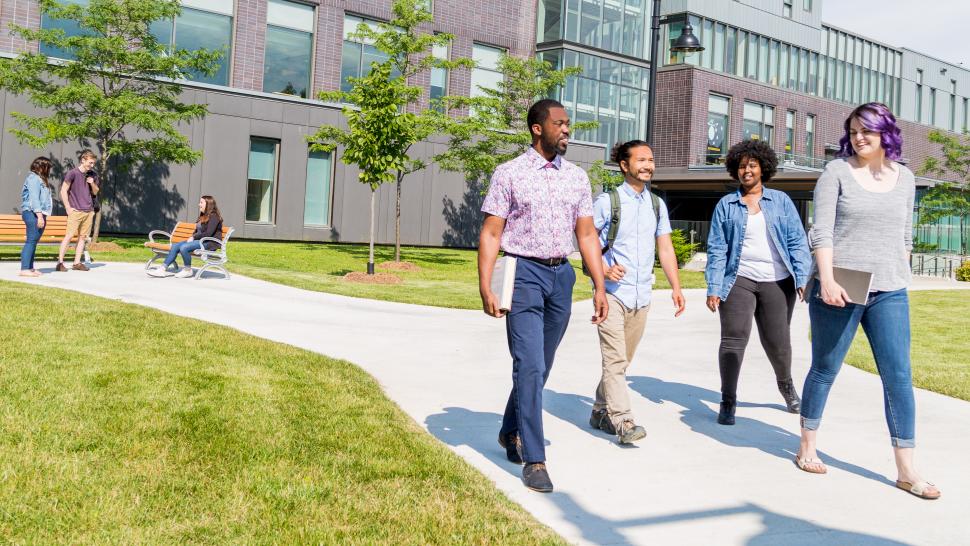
(919, 99)
(550, 20)
(783, 66)
(439, 77)
(932, 106)
(763, 60)
(786, 8)
(719, 47)
(316, 203)
(752, 71)
(966, 106)
(70, 28)
(807, 5)
(953, 111)
(357, 56)
(758, 122)
(289, 48)
(707, 41)
(730, 49)
(773, 63)
(742, 57)
(486, 73)
(203, 24)
(718, 115)
(262, 179)
(810, 135)
(789, 134)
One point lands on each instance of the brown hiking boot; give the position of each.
(60, 267)
(512, 445)
(80, 267)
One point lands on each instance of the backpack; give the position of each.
(615, 219)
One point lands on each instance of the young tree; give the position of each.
(948, 198)
(119, 91)
(495, 129)
(382, 124)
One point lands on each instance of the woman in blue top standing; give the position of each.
(37, 205)
(757, 260)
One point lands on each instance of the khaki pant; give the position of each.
(619, 334)
(79, 222)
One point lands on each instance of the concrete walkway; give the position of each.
(690, 481)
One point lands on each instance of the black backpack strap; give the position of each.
(614, 219)
(656, 206)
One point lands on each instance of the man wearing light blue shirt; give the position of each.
(643, 231)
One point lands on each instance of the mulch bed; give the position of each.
(398, 266)
(376, 278)
(104, 246)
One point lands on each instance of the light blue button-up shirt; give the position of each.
(36, 196)
(635, 244)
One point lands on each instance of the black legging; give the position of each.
(771, 304)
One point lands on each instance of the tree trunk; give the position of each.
(370, 256)
(397, 222)
(102, 178)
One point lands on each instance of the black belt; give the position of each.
(544, 261)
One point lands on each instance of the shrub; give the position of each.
(963, 272)
(682, 248)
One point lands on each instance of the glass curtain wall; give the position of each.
(855, 70)
(619, 26)
(848, 69)
(608, 91)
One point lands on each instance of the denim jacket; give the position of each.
(36, 196)
(726, 238)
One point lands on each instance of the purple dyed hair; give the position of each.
(875, 116)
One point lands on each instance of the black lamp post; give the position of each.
(686, 43)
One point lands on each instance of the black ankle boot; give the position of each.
(787, 390)
(726, 415)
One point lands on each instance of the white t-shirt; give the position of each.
(760, 260)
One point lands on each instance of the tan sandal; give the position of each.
(923, 490)
(804, 462)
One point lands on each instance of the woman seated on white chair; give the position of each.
(209, 224)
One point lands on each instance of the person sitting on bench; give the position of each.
(209, 224)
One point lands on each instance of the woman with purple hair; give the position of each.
(863, 222)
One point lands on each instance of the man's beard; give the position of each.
(554, 146)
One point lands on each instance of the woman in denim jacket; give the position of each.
(757, 260)
(37, 205)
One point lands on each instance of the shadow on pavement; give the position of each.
(748, 433)
(462, 427)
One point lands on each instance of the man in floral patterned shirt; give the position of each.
(535, 204)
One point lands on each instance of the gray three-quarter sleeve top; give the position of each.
(867, 231)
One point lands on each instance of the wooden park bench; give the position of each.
(13, 232)
(215, 259)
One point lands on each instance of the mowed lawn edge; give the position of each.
(446, 277)
(939, 324)
(123, 424)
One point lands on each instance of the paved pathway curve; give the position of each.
(689, 482)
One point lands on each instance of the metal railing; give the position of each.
(785, 159)
(926, 265)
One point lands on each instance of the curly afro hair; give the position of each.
(752, 149)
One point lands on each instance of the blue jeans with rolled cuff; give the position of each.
(885, 321)
(185, 249)
(541, 304)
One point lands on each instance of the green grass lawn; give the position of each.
(117, 435)
(940, 322)
(447, 277)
